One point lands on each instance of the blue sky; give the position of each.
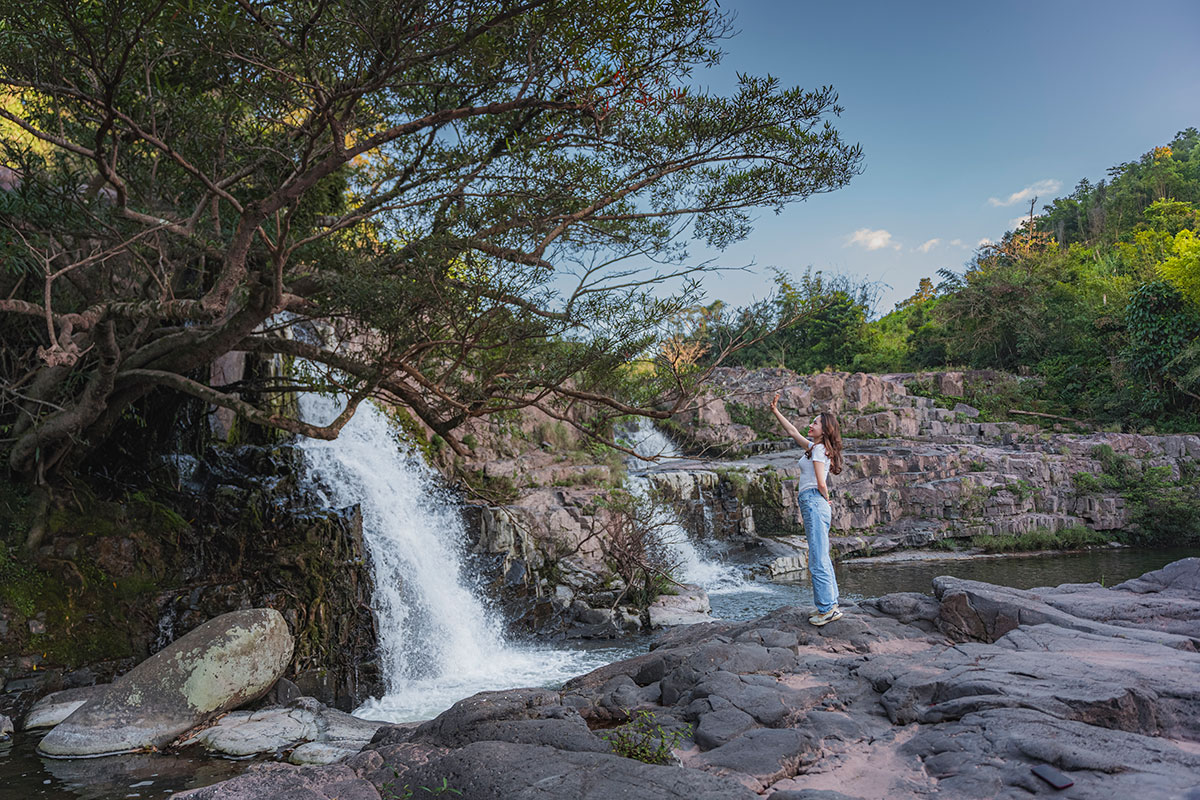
(964, 111)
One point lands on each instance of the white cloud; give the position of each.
(925, 247)
(984, 241)
(1040, 188)
(1019, 223)
(957, 242)
(872, 240)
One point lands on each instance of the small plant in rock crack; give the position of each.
(644, 739)
(388, 790)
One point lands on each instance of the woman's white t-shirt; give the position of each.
(808, 472)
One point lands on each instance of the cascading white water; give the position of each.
(439, 641)
(713, 576)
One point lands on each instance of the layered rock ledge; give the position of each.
(957, 695)
(916, 473)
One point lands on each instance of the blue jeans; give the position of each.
(815, 511)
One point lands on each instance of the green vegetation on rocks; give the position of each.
(1164, 510)
(644, 739)
(1073, 538)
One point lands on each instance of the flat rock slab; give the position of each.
(222, 664)
(247, 733)
(761, 757)
(991, 753)
(270, 730)
(1103, 681)
(492, 770)
(1166, 600)
(286, 782)
(311, 753)
(971, 610)
(57, 706)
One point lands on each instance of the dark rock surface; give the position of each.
(901, 698)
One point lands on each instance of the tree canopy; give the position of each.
(479, 199)
(1100, 300)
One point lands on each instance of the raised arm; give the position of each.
(788, 427)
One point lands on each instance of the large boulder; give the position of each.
(224, 663)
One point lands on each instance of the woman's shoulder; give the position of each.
(818, 452)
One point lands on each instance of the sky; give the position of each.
(965, 111)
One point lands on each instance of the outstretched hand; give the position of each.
(775, 402)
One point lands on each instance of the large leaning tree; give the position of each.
(480, 200)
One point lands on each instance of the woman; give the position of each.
(822, 453)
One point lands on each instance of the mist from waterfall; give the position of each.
(439, 641)
(692, 564)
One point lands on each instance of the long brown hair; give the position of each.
(831, 437)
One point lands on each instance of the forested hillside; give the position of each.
(1100, 301)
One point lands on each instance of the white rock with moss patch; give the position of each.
(223, 664)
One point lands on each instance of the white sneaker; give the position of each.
(829, 616)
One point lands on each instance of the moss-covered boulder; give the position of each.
(223, 664)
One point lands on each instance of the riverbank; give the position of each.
(956, 695)
(881, 626)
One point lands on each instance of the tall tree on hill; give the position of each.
(483, 198)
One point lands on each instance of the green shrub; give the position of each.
(644, 739)
(1163, 511)
(1074, 538)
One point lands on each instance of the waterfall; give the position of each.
(713, 576)
(439, 641)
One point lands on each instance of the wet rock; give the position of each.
(6, 727)
(286, 782)
(57, 706)
(219, 666)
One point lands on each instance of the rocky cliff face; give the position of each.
(113, 582)
(916, 471)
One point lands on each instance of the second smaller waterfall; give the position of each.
(694, 567)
